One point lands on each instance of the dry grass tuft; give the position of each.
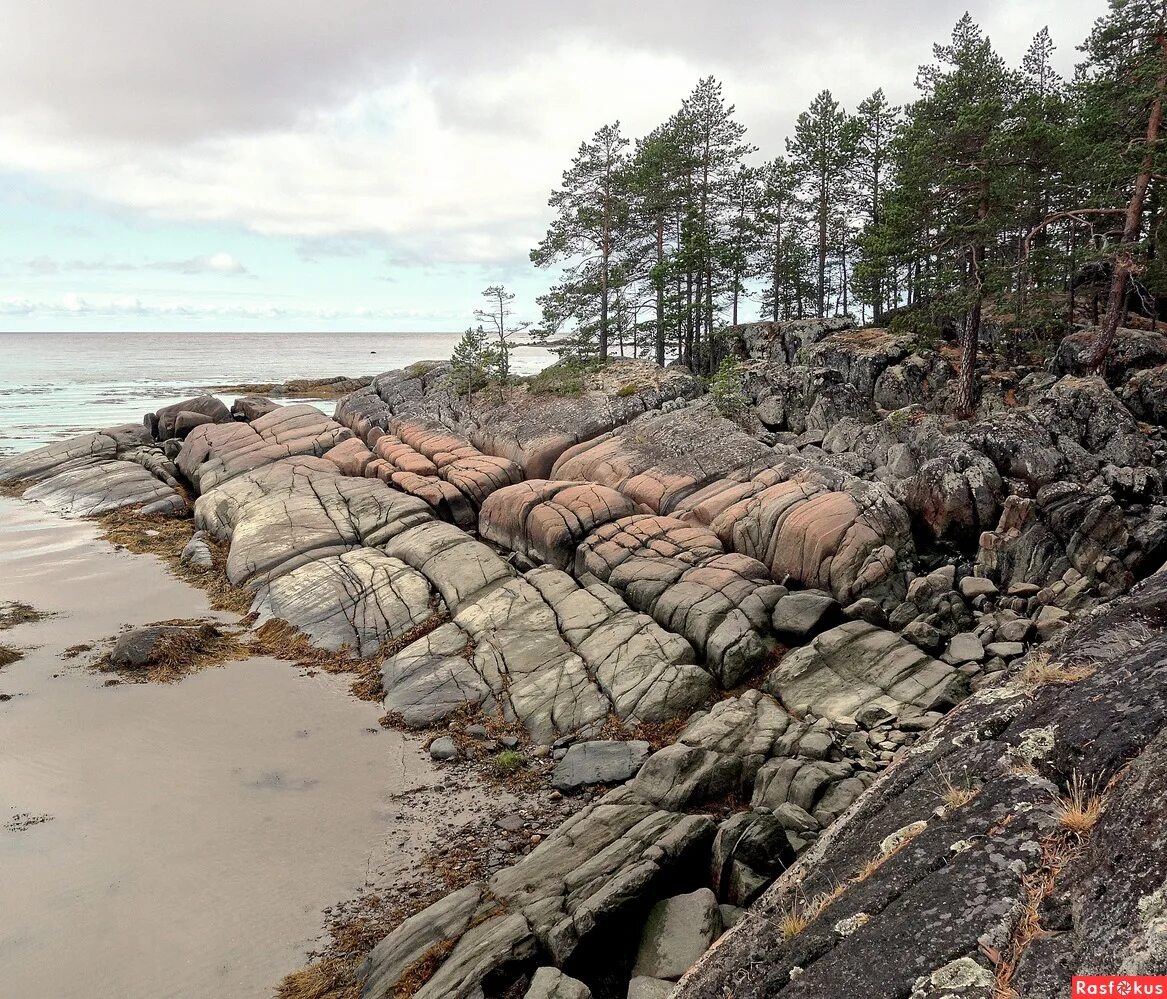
(328, 978)
(794, 921)
(1079, 810)
(955, 796)
(9, 656)
(803, 912)
(422, 970)
(1043, 671)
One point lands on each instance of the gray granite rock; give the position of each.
(677, 932)
(599, 762)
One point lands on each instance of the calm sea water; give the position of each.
(53, 385)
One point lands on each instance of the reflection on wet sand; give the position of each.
(172, 839)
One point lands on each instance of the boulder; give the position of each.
(190, 413)
(98, 472)
(1132, 351)
(551, 983)
(804, 614)
(677, 932)
(358, 600)
(149, 646)
(546, 520)
(650, 988)
(212, 455)
(659, 458)
(599, 762)
(857, 665)
(751, 849)
(683, 579)
(809, 524)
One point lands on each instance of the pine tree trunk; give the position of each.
(1124, 263)
(822, 290)
(660, 293)
(965, 400)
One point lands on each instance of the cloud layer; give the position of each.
(431, 132)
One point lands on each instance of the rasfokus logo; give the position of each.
(1121, 986)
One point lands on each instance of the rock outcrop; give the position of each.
(1008, 815)
(99, 472)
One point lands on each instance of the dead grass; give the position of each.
(16, 488)
(182, 653)
(955, 796)
(1038, 885)
(656, 734)
(9, 656)
(13, 613)
(1043, 671)
(328, 978)
(422, 970)
(1080, 808)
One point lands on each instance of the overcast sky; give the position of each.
(373, 164)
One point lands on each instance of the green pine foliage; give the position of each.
(1000, 190)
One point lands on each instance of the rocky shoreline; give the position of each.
(840, 631)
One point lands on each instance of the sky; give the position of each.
(374, 164)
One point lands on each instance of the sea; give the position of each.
(55, 385)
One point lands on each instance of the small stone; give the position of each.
(794, 818)
(444, 749)
(815, 745)
(600, 762)
(972, 587)
(477, 732)
(871, 715)
(1018, 630)
(923, 635)
(1023, 590)
(964, 647)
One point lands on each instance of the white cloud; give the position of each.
(433, 130)
(74, 305)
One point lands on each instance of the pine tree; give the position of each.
(958, 133)
(498, 321)
(876, 124)
(471, 363)
(590, 215)
(819, 152)
(1123, 87)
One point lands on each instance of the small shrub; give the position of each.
(626, 390)
(728, 389)
(509, 761)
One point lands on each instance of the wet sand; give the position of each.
(194, 831)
